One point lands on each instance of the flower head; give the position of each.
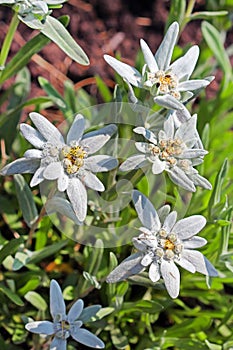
(64, 325)
(162, 244)
(174, 150)
(168, 83)
(70, 163)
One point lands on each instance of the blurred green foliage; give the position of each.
(136, 315)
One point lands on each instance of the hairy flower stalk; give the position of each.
(169, 84)
(64, 325)
(161, 245)
(71, 164)
(174, 150)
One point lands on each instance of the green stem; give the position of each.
(8, 39)
(190, 7)
(188, 13)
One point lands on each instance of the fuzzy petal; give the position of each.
(21, 166)
(181, 179)
(143, 147)
(146, 260)
(47, 129)
(128, 267)
(95, 140)
(134, 162)
(75, 311)
(189, 227)
(163, 212)
(194, 242)
(131, 74)
(53, 171)
(77, 195)
(170, 221)
(200, 262)
(90, 180)
(187, 130)
(169, 127)
(33, 153)
(148, 134)
(76, 130)
(146, 212)
(158, 166)
(62, 206)
(201, 181)
(57, 304)
(192, 153)
(171, 276)
(187, 265)
(63, 181)
(100, 163)
(164, 53)
(40, 327)
(168, 101)
(32, 135)
(191, 85)
(184, 66)
(58, 344)
(87, 338)
(149, 57)
(154, 273)
(37, 177)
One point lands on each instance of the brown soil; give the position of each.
(99, 26)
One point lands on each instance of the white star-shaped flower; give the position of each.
(170, 84)
(174, 150)
(64, 325)
(162, 244)
(71, 163)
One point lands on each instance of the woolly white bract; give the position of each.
(64, 325)
(70, 163)
(174, 150)
(170, 84)
(162, 244)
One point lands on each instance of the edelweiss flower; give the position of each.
(169, 83)
(64, 325)
(70, 163)
(172, 150)
(163, 245)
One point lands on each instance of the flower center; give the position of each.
(73, 158)
(163, 83)
(169, 245)
(167, 150)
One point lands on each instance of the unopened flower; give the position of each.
(64, 325)
(162, 245)
(168, 83)
(174, 150)
(72, 163)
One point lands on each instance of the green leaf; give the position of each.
(56, 32)
(36, 300)
(102, 313)
(47, 251)
(177, 12)
(92, 279)
(217, 191)
(207, 14)
(53, 93)
(89, 312)
(25, 199)
(148, 306)
(103, 89)
(11, 295)
(214, 41)
(25, 53)
(10, 248)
